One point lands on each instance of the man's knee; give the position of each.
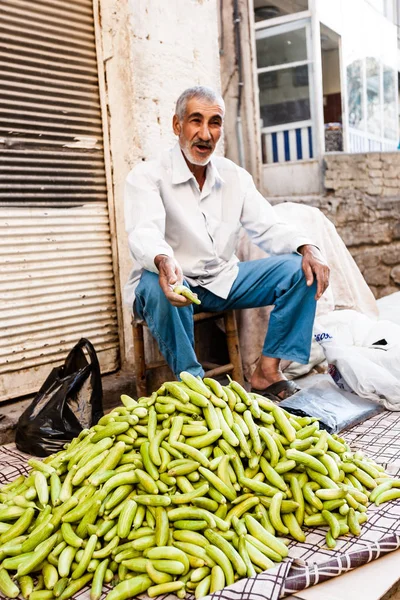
(293, 269)
(149, 292)
(292, 266)
(148, 283)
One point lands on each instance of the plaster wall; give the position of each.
(364, 30)
(249, 112)
(152, 51)
(291, 179)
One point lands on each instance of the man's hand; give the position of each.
(314, 264)
(170, 275)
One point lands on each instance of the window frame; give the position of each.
(374, 141)
(271, 29)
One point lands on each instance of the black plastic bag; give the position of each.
(71, 399)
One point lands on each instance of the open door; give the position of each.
(332, 90)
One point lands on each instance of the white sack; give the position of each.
(349, 341)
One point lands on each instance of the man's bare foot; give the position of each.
(267, 372)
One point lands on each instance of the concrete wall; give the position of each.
(291, 179)
(363, 200)
(152, 51)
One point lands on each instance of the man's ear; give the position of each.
(176, 125)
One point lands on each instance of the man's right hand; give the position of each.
(170, 275)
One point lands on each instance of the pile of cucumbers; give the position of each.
(187, 490)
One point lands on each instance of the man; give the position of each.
(183, 216)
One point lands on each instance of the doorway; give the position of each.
(332, 90)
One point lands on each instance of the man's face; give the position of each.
(199, 130)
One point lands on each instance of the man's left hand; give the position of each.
(314, 264)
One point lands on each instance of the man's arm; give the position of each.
(145, 225)
(277, 237)
(145, 219)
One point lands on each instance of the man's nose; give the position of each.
(204, 132)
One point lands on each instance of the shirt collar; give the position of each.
(181, 172)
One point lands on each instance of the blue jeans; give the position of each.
(277, 280)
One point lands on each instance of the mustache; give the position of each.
(201, 143)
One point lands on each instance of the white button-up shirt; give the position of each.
(167, 213)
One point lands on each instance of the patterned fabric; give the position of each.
(309, 562)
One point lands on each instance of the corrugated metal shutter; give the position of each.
(56, 271)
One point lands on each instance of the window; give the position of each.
(354, 93)
(280, 49)
(284, 96)
(283, 74)
(389, 103)
(374, 101)
(270, 9)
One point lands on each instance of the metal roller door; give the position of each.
(56, 262)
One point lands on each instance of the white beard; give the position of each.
(195, 161)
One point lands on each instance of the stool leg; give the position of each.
(140, 363)
(232, 340)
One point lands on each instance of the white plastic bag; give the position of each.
(389, 307)
(349, 340)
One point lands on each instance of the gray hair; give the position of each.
(198, 91)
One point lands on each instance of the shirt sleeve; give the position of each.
(145, 219)
(261, 223)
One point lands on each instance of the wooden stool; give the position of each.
(234, 367)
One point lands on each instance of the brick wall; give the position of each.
(362, 199)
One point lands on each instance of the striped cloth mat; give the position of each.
(309, 562)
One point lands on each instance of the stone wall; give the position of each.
(363, 200)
